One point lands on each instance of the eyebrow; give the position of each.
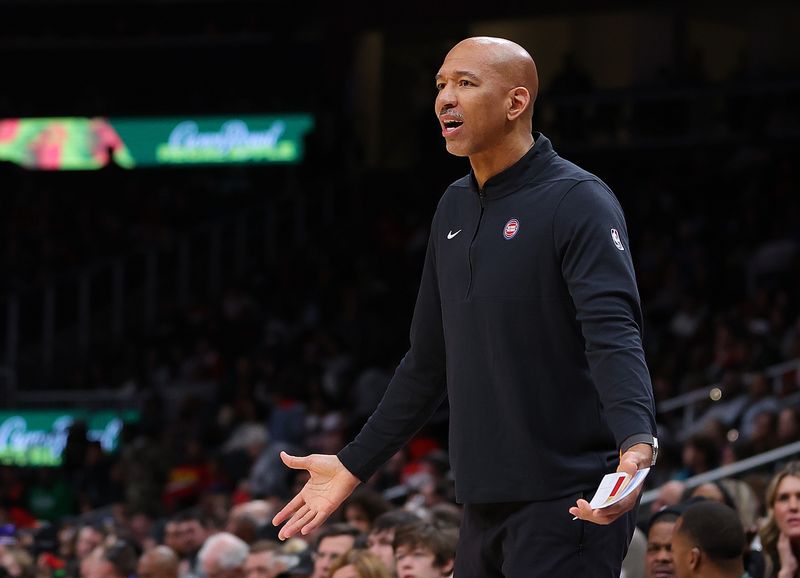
(466, 73)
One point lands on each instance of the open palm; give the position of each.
(330, 485)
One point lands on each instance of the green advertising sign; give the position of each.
(38, 438)
(90, 143)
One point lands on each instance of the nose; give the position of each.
(446, 98)
(794, 503)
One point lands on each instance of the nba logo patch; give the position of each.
(511, 229)
(616, 239)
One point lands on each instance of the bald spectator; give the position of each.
(708, 541)
(223, 556)
(669, 494)
(117, 560)
(160, 562)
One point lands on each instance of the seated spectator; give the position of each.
(658, 556)
(780, 535)
(424, 551)
(160, 562)
(16, 562)
(708, 541)
(332, 542)
(363, 506)
(115, 560)
(669, 494)
(359, 564)
(223, 556)
(265, 561)
(381, 538)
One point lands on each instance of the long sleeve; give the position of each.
(417, 388)
(592, 242)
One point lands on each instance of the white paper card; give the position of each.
(615, 487)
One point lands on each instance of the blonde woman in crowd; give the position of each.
(359, 564)
(780, 535)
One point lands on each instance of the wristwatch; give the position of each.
(648, 439)
(655, 452)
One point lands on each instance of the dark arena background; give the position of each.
(213, 219)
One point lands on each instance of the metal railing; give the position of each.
(688, 401)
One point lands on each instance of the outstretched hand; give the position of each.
(330, 485)
(637, 457)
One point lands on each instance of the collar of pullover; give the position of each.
(520, 173)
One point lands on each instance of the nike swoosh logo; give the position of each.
(451, 234)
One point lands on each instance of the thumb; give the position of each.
(628, 465)
(294, 462)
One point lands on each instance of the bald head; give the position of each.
(511, 63)
(160, 562)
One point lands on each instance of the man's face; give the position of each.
(683, 559)
(88, 540)
(471, 91)
(380, 544)
(419, 563)
(658, 559)
(328, 552)
(192, 535)
(260, 565)
(172, 537)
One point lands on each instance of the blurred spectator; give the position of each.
(160, 562)
(223, 555)
(359, 564)
(17, 562)
(780, 534)
(424, 551)
(332, 541)
(381, 538)
(115, 560)
(362, 507)
(669, 494)
(658, 558)
(708, 540)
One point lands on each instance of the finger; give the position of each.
(295, 462)
(289, 509)
(318, 520)
(301, 517)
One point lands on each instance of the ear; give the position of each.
(447, 567)
(519, 99)
(695, 556)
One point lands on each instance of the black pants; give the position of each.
(538, 540)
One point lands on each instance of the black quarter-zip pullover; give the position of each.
(528, 319)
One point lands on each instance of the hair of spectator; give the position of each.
(367, 564)
(370, 501)
(122, 556)
(441, 542)
(394, 519)
(770, 531)
(338, 529)
(714, 528)
(264, 546)
(232, 551)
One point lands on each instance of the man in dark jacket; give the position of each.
(528, 319)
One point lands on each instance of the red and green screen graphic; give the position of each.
(78, 143)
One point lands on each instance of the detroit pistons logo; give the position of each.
(511, 229)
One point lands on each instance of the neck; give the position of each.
(489, 163)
